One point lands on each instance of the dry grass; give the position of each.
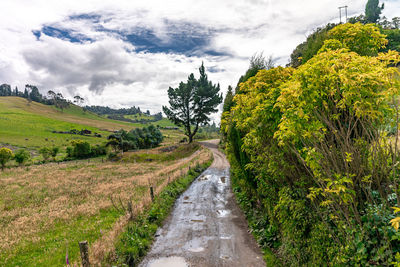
(34, 199)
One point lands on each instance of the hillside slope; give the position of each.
(30, 125)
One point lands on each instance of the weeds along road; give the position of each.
(206, 227)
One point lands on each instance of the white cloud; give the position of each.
(111, 71)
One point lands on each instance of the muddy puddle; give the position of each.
(206, 227)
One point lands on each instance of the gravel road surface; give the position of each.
(206, 227)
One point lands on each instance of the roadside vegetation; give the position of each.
(47, 209)
(136, 240)
(314, 152)
(391, 29)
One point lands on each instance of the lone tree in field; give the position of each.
(193, 102)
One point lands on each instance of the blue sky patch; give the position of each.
(63, 34)
(178, 37)
(37, 34)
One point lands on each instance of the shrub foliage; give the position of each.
(310, 152)
(5, 155)
(138, 138)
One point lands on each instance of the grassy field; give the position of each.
(47, 209)
(30, 125)
(139, 117)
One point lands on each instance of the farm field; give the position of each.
(47, 209)
(139, 117)
(30, 125)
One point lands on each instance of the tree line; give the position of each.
(32, 93)
(101, 110)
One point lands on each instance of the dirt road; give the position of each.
(206, 227)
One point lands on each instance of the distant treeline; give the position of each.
(118, 117)
(119, 114)
(31, 93)
(122, 111)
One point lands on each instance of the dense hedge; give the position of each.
(310, 153)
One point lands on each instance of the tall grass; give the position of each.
(47, 209)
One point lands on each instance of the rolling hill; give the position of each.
(31, 125)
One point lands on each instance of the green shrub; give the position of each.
(21, 156)
(5, 155)
(54, 152)
(98, 150)
(312, 163)
(45, 152)
(81, 149)
(138, 138)
(70, 152)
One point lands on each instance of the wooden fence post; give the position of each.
(152, 194)
(83, 247)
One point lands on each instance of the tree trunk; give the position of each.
(190, 139)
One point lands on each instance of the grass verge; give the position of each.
(178, 152)
(136, 240)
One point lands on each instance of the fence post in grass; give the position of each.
(83, 247)
(152, 194)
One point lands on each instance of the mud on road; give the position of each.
(206, 227)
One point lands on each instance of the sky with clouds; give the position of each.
(128, 52)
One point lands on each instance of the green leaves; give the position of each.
(365, 40)
(5, 155)
(192, 102)
(309, 146)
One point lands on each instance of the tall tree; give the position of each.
(257, 62)
(228, 101)
(58, 100)
(79, 100)
(34, 94)
(5, 90)
(373, 11)
(193, 102)
(26, 93)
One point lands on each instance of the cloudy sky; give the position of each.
(128, 52)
